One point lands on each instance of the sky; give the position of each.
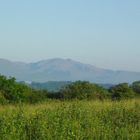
(105, 33)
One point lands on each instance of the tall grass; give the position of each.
(71, 120)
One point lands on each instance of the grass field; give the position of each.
(71, 120)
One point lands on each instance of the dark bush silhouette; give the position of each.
(122, 91)
(136, 86)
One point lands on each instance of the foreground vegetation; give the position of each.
(79, 111)
(71, 120)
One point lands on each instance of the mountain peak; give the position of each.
(58, 69)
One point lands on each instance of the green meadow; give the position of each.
(71, 120)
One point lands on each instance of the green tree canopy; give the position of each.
(13, 91)
(122, 90)
(136, 86)
(83, 90)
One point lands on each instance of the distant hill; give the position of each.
(50, 85)
(64, 70)
(57, 85)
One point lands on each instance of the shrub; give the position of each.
(136, 86)
(3, 99)
(15, 92)
(122, 91)
(83, 90)
(37, 96)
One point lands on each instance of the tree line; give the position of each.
(14, 92)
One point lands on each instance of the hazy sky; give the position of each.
(105, 33)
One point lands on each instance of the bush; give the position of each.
(3, 99)
(83, 90)
(136, 86)
(37, 96)
(122, 91)
(15, 92)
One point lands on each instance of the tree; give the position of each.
(83, 90)
(2, 99)
(136, 86)
(122, 91)
(14, 92)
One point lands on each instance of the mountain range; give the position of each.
(58, 69)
